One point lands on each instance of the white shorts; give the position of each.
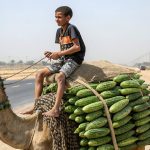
(67, 66)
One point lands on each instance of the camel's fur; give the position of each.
(17, 131)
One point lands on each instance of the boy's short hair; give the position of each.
(67, 11)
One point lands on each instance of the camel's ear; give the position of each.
(1, 82)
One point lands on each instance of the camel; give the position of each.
(22, 132)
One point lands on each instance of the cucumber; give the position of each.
(133, 96)
(106, 147)
(84, 93)
(93, 107)
(142, 121)
(128, 141)
(129, 147)
(72, 100)
(94, 115)
(70, 109)
(81, 127)
(72, 116)
(140, 81)
(140, 100)
(104, 86)
(121, 77)
(96, 133)
(143, 128)
(83, 148)
(111, 101)
(118, 106)
(144, 135)
(84, 142)
(99, 141)
(141, 114)
(130, 84)
(81, 134)
(124, 128)
(110, 93)
(144, 86)
(92, 148)
(73, 90)
(80, 119)
(128, 91)
(142, 107)
(121, 122)
(78, 111)
(122, 114)
(144, 142)
(85, 101)
(136, 76)
(97, 123)
(125, 135)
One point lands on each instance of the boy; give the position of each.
(64, 61)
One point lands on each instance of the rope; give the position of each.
(25, 76)
(24, 69)
(106, 111)
(21, 79)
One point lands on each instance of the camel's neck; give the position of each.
(14, 130)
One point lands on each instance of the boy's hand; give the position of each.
(47, 54)
(54, 55)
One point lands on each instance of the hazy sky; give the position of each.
(113, 30)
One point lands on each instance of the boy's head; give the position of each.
(65, 10)
(63, 15)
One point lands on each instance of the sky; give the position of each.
(114, 30)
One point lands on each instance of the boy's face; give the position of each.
(61, 19)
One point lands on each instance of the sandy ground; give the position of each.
(145, 75)
(6, 73)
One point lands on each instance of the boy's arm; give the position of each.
(69, 51)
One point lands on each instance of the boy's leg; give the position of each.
(67, 69)
(38, 86)
(60, 78)
(53, 67)
(39, 81)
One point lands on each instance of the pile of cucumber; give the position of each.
(128, 100)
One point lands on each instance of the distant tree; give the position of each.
(31, 62)
(20, 62)
(2, 63)
(12, 62)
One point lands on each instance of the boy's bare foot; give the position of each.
(29, 111)
(52, 113)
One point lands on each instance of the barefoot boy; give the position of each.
(64, 61)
